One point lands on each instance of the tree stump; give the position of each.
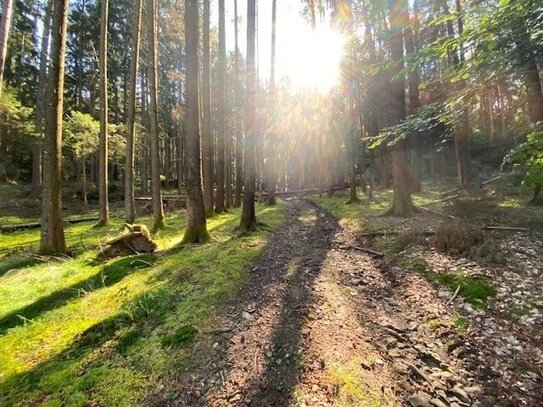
(136, 240)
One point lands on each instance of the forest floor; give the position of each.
(301, 315)
(323, 323)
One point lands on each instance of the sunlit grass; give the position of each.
(95, 330)
(381, 202)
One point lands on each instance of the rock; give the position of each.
(246, 316)
(419, 400)
(438, 403)
(416, 374)
(430, 359)
(460, 394)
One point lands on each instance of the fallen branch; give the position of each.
(488, 181)
(364, 249)
(507, 228)
(449, 198)
(454, 295)
(392, 233)
(437, 213)
(450, 191)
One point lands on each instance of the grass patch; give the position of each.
(356, 386)
(182, 335)
(461, 323)
(79, 331)
(381, 202)
(476, 291)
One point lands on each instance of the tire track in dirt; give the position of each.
(320, 324)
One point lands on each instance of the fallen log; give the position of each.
(37, 225)
(489, 181)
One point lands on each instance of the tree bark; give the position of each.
(402, 204)
(248, 216)
(103, 148)
(239, 131)
(272, 177)
(52, 231)
(414, 103)
(219, 204)
(129, 204)
(196, 231)
(40, 101)
(5, 25)
(207, 137)
(158, 211)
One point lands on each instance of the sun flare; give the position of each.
(312, 58)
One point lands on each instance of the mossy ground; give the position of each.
(80, 331)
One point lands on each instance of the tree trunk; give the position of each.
(158, 211)
(248, 217)
(207, 137)
(52, 231)
(414, 104)
(196, 231)
(84, 180)
(272, 177)
(239, 131)
(40, 101)
(5, 25)
(219, 204)
(103, 150)
(401, 185)
(129, 204)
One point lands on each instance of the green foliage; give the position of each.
(81, 133)
(530, 155)
(425, 121)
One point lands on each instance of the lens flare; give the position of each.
(311, 58)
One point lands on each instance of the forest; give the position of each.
(271, 203)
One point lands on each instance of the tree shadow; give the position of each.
(304, 242)
(69, 368)
(108, 275)
(15, 263)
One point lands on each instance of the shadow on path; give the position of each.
(258, 364)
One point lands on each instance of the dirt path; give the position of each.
(321, 324)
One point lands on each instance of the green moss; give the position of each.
(476, 291)
(196, 234)
(461, 323)
(93, 336)
(182, 335)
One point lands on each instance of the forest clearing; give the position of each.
(271, 203)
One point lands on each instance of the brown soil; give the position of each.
(322, 324)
